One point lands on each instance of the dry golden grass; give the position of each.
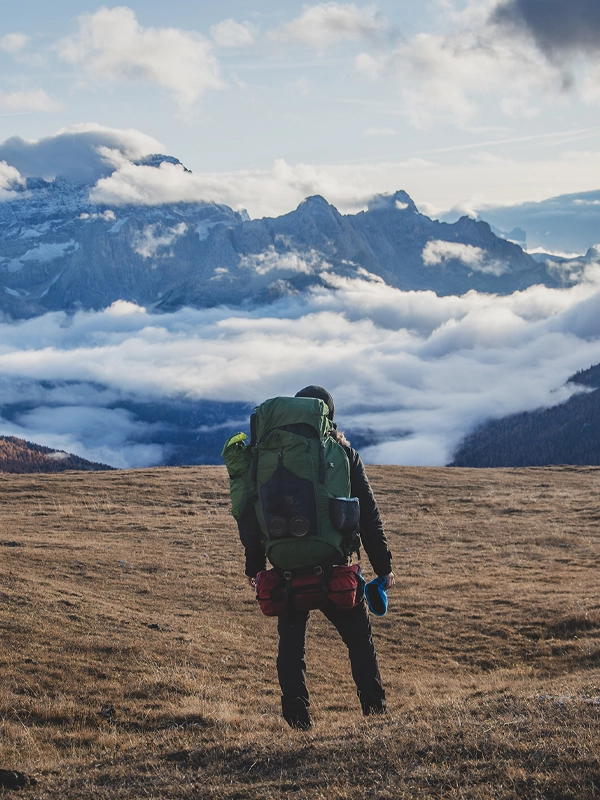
(135, 663)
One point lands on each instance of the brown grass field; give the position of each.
(135, 662)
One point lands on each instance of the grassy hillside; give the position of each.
(568, 433)
(18, 455)
(136, 664)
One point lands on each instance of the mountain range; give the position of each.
(60, 251)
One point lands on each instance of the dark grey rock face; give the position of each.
(58, 251)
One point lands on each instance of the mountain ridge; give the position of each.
(61, 251)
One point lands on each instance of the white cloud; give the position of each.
(436, 188)
(156, 237)
(368, 65)
(395, 361)
(446, 77)
(27, 100)
(82, 152)
(14, 42)
(262, 192)
(322, 25)
(10, 179)
(123, 308)
(438, 252)
(292, 262)
(112, 45)
(487, 51)
(102, 157)
(232, 34)
(106, 216)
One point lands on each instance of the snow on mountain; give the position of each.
(60, 251)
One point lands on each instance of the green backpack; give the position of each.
(296, 480)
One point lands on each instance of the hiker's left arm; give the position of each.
(371, 527)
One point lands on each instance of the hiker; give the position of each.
(352, 624)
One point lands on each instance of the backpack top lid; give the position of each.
(282, 411)
(320, 393)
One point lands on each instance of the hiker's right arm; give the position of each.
(252, 539)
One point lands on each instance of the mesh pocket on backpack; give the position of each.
(288, 504)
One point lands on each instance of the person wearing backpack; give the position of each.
(277, 518)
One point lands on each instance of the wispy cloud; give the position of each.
(326, 24)
(438, 253)
(156, 239)
(232, 34)
(28, 100)
(14, 43)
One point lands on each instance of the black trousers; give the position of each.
(355, 629)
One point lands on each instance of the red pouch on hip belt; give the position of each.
(346, 586)
(340, 586)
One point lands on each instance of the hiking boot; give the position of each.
(303, 723)
(375, 710)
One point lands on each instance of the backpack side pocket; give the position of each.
(237, 456)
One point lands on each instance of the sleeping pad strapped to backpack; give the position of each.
(296, 479)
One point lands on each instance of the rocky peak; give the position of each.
(316, 205)
(156, 159)
(399, 201)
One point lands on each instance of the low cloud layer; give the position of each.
(416, 370)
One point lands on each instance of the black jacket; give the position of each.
(371, 527)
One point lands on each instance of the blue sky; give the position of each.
(461, 104)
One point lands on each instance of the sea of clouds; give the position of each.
(415, 371)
